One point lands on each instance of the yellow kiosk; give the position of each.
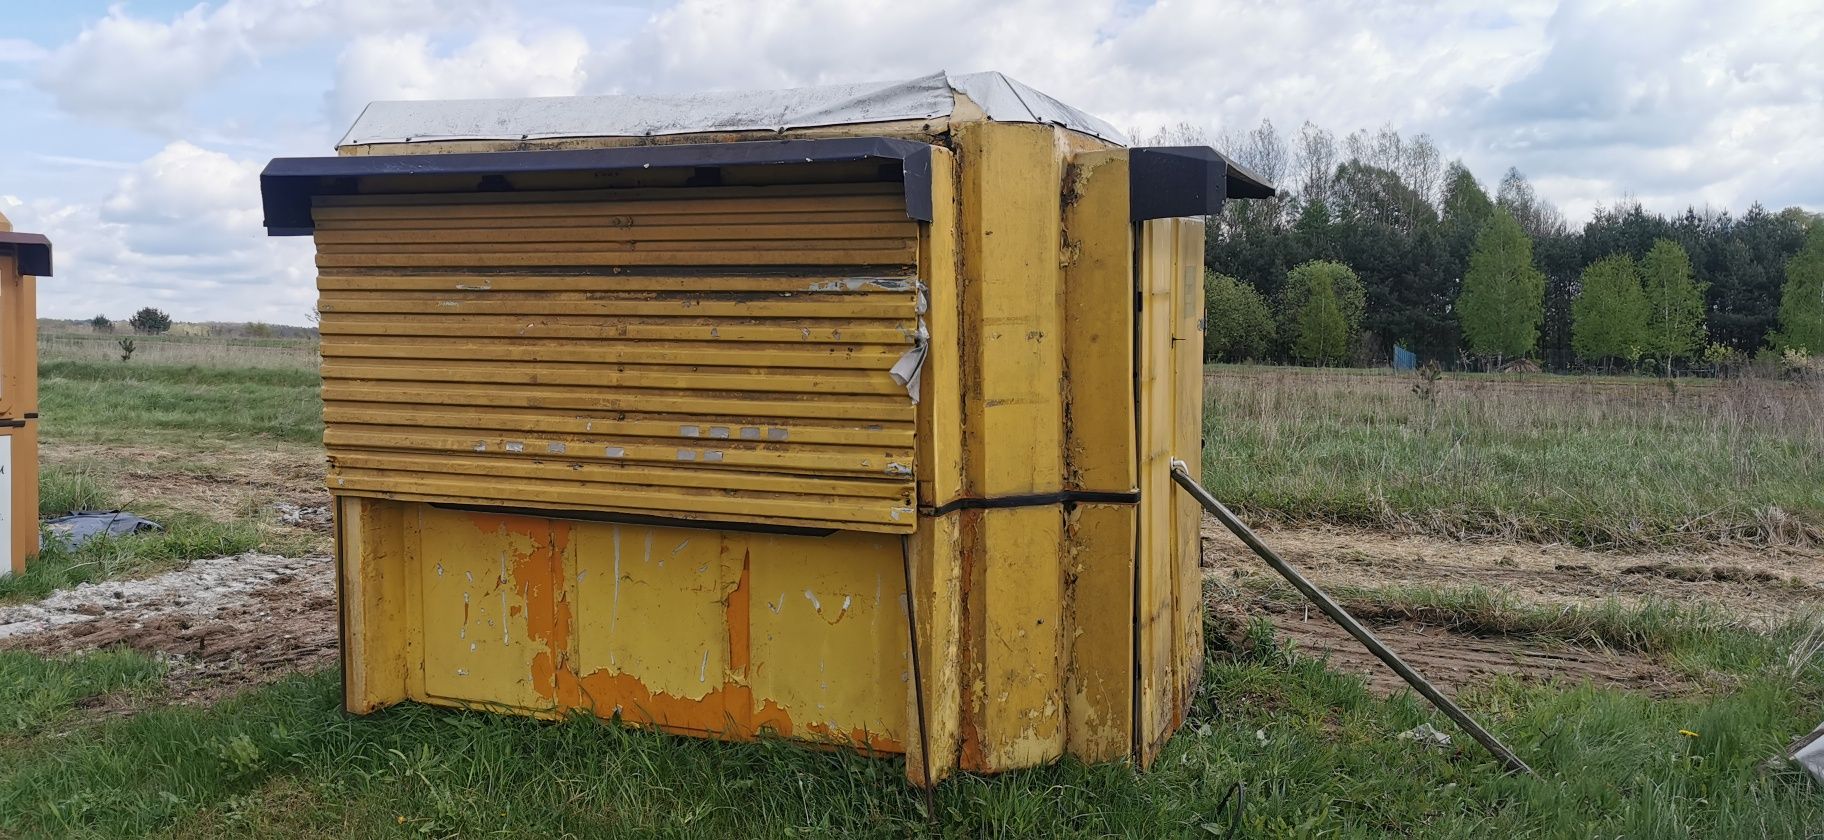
(660, 407)
(23, 258)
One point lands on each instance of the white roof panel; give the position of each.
(927, 97)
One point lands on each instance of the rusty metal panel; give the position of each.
(714, 353)
(695, 631)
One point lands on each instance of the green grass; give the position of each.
(128, 401)
(186, 537)
(1314, 749)
(1598, 462)
(62, 491)
(36, 693)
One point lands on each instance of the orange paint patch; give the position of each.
(728, 711)
(536, 573)
(725, 712)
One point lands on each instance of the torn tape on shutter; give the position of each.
(907, 371)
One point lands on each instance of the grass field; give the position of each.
(1597, 461)
(1314, 750)
(1280, 744)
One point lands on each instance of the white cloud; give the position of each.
(1674, 102)
(18, 51)
(1679, 102)
(144, 71)
(181, 231)
(493, 65)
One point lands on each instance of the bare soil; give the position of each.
(223, 624)
(1758, 586)
(1761, 586)
(284, 482)
(1453, 661)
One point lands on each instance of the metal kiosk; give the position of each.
(24, 257)
(659, 407)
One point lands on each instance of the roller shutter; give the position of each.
(714, 353)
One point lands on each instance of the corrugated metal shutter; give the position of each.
(718, 353)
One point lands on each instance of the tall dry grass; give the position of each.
(197, 351)
(1594, 461)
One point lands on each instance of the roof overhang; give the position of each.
(32, 250)
(1168, 181)
(288, 184)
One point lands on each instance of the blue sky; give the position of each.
(137, 129)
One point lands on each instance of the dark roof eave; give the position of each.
(1170, 181)
(32, 250)
(288, 184)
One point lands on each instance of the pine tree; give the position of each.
(1675, 303)
(1609, 316)
(149, 321)
(1802, 298)
(1503, 297)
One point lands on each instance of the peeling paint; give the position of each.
(614, 614)
(856, 284)
(480, 446)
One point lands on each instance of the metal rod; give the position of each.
(1330, 608)
(918, 679)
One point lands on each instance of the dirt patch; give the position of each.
(223, 624)
(275, 480)
(1452, 661)
(1763, 586)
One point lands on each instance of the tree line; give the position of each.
(1376, 242)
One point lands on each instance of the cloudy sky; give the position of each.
(136, 130)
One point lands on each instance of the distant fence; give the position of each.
(181, 350)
